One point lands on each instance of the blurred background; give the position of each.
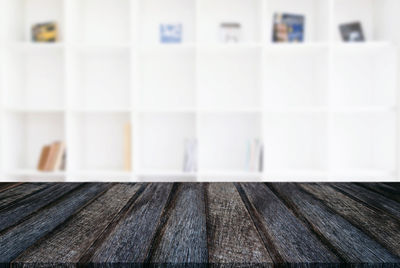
(199, 90)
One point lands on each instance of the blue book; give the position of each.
(288, 28)
(170, 33)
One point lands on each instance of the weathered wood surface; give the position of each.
(20, 237)
(225, 224)
(19, 192)
(23, 208)
(384, 189)
(370, 198)
(130, 240)
(383, 228)
(348, 241)
(232, 235)
(72, 239)
(8, 185)
(288, 239)
(183, 235)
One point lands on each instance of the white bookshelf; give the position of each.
(324, 110)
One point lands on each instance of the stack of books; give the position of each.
(52, 157)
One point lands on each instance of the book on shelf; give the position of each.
(352, 32)
(43, 158)
(288, 28)
(230, 32)
(45, 32)
(171, 33)
(127, 147)
(255, 156)
(190, 156)
(52, 157)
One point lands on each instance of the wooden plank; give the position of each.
(183, 237)
(286, 236)
(348, 241)
(27, 206)
(130, 239)
(8, 185)
(68, 243)
(20, 237)
(379, 226)
(19, 192)
(232, 236)
(370, 198)
(383, 189)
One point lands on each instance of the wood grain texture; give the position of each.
(287, 236)
(194, 224)
(381, 227)
(27, 206)
(350, 242)
(20, 237)
(8, 185)
(232, 235)
(68, 243)
(183, 238)
(370, 198)
(19, 192)
(131, 239)
(387, 190)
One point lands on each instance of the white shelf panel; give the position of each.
(224, 140)
(97, 141)
(296, 141)
(161, 140)
(35, 78)
(230, 79)
(105, 21)
(100, 78)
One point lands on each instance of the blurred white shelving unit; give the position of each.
(325, 110)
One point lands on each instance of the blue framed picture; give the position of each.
(170, 33)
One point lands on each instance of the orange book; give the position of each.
(43, 158)
(51, 160)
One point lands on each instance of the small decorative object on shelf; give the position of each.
(352, 32)
(255, 156)
(288, 28)
(231, 32)
(190, 156)
(127, 147)
(170, 33)
(45, 32)
(52, 157)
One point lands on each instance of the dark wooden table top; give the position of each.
(236, 224)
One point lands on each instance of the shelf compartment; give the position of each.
(160, 142)
(167, 79)
(316, 12)
(295, 78)
(100, 78)
(21, 15)
(377, 17)
(152, 13)
(296, 142)
(364, 77)
(99, 21)
(96, 141)
(224, 141)
(214, 12)
(35, 78)
(364, 142)
(229, 78)
(25, 134)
